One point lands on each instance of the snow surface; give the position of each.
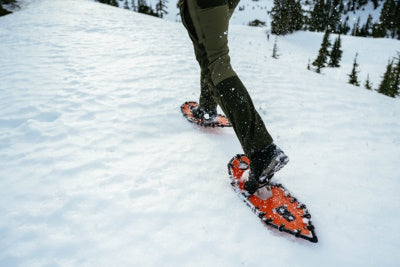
(99, 168)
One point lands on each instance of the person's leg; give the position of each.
(211, 20)
(206, 100)
(232, 5)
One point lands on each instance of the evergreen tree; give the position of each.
(368, 84)
(4, 11)
(145, 9)
(344, 28)
(287, 17)
(334, 16)
(319, 17)
(323, 53)
(396, 78)
(133, 5)
(356, 28)
(126, 6)
(390, 17)
(353, 79)
(161, 8)
(109, 2)
(366, 30)
(386, 85)
(378, 30)
(275, 49)
(336, 53)
(375, 2)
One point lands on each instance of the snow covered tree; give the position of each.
(161, 8)
(336, 54)
(275, 49)
(368, 84)
(323, 53)
(287, 17)
(353, 79)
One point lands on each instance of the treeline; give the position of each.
(332, 15)
(390, 84)
(140, 6)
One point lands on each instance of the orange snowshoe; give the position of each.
(219, 121)
(281, 211)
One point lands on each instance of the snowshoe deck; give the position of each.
(281, 211)
(187, 112)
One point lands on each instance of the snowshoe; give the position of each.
(280, 209)
(192, 113)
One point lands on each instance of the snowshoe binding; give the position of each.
(199, 116)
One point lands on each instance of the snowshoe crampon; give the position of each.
(186, 109)
(281, 211)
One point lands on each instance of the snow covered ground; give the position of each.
(99, 168)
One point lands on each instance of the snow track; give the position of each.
(99, 168)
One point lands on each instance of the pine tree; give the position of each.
(275, 49)
(161, 8)
(375, 2)
(366, 30)
(353, 79)
(145, 9)
(4, 11)
(344, 28)
(126, 6)
(133, 5)
(287, 17)
(336, 54)
(319, 17)
(368, 84)
(323, 53)
(109, 2)
(334, 16)
(396, 79)
(386, 85)
(356, 28)
(390, 17)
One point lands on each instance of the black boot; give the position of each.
(209, 116)
(263, 165)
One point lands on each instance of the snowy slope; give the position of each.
(99, 168)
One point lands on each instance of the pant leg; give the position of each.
(211, 25)
(206, 100)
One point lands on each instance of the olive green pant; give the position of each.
(207, 23)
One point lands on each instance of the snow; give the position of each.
(99, 168)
